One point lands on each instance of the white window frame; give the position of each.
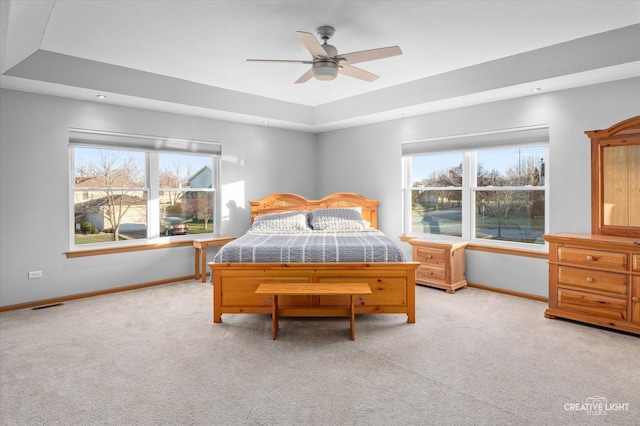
(151, 147)
(469, 145)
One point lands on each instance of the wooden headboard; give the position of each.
(284, 202)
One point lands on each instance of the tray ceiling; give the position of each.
(190, 57)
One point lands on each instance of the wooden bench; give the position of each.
(313, 289)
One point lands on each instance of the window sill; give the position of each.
(128, 248)
(541, 253)
(537, 254)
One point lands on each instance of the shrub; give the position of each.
(87, 228)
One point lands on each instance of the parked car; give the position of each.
(174, 226)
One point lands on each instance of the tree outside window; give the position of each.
(437, 194)
(509, 197)
(507, 194)
(188, 194)
(113, 200)
(110, 198)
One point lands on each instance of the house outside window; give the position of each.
(130, 187)
(489, 188)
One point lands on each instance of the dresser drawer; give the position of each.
(592, 304)
(635, 262)
(593, 258)
(431, 256)
(429, 273)
(588, 279)
(635, 300)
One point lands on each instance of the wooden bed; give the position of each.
(392, 284)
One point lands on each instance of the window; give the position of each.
(186, 193)
(489, 187)
(436, 194)
(127, 187)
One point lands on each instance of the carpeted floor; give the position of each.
(154, 357)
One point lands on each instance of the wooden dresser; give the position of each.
(595, 279)
(441, 261)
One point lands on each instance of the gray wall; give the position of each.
(367, 160)
(34, 188)
(34, 176)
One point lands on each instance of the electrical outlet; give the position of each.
(35, 274)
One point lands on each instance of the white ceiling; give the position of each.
(190, 56)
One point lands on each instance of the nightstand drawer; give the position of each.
(425, 255)
(593, 258)
(592, 304)
(635, 263)
(428, 273)
(588, 279)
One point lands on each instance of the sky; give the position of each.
(166, 160)
(501, 160)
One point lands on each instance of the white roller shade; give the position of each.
(92, 138)
(538, 135)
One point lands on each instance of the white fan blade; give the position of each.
(370, 55)
(305, 77)
(356, 72)
(312, 44)
(280, 60)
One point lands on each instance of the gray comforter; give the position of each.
(311, 246)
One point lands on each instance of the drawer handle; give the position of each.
(430, 272)
(635, 299)
(589, 279)
(589, 258)
(429, 256)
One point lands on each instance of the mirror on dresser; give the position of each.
(615, 179)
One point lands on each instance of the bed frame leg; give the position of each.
(217, 304)
(411, 299)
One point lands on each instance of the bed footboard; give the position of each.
(392, 286)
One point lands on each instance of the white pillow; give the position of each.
(339, 219)
(282, 222)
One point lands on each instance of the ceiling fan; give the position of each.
(327, 63)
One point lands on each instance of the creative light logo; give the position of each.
(596, 406)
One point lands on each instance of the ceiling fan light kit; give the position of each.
(327, 63)
(325, 70)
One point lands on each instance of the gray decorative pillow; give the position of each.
(282, 222)
(339, 219)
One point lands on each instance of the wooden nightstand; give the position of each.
(441, 260)
(200, 247)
